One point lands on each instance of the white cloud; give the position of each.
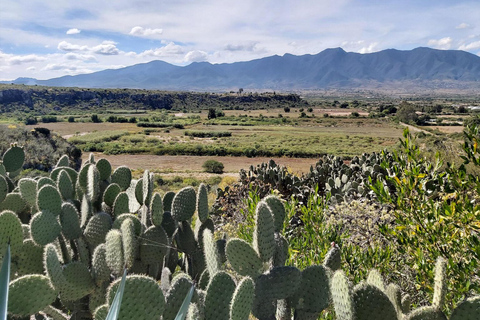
(105, 48)
(139, 31)
(67, 46)
(464, 25)
(196, 56)
(444, 43)
(470, 46)
(369, 49)
(171, 49)
(31, 69)
(248, 46)
(10, 59)
(81, 57)
(73, 31)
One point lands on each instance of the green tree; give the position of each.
(406, 113)
(212, 114)
(213, 166)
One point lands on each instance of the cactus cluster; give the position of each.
(72, 234)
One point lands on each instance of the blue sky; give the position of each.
(46, 39)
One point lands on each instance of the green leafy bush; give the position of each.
(213, 166)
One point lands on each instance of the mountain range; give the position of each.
(331, 68)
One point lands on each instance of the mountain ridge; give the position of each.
(331, 68)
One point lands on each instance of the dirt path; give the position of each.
(193, 164)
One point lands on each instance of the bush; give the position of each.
(95, 118)
(71, 119)
(31, 121)
(213, 166)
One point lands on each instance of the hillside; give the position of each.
(331, 68)
(42, 100)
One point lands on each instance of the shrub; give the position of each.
(31, 121)
(95, 118)
(213, 166)
(286, 109)
(71, 119)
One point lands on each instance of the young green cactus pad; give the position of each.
(10, 231)
(180, 287)
(200, 228)
(342, 300)
(71, 172)
(119, 220)
(65, 185)
(129, 239)
(93, 183)
(79, 282)
(185, 238)
(69, 219)
(371, 303)
(167, 201)
(53, 267)
(100, 269)
(211, 253)
(333, 258)
(156, 209)
(114, 251)
(281, 250)
(48, 198)
(313, 295)
(13, 159)
(243, 258)
(63, 161)
(375, 279)
(184, 204)
(202, 202)
(111, 193)
(263, 236)
(279, 283)
(426, 313)
(440, 289)
(30, 294)
(44, 227)
(97, 229)
(13, 202)
(468, 309)
(278, 211)
(154, 244)
(242, 300)
(142, 299)
(45, 181)
(219, 294)
(104, 168)
(120, 205)
(122, 176)
(30, 258)
(101, 312)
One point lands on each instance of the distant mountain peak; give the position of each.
(331, 68)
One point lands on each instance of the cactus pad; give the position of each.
(4, 187)
(10, 230)
(93, 183)
(184, 204)
(371, 303)
(264, 233)
(30, 258)
(185, 238)
(202, 202)
(313, 295)
(97, 229)
(122, 176)
(119, 220)
(69, 219)
(13, 159)
(468, 309)
(426, 313)
(242, 300)
(65, 185)
(111, 193)
(63, 161)
(30, 294)
(53, 267)
(48, 198)
(281, 250)
(142, 298)
(181, 285)
(156, 209)
(114, 251)
(129, 239)
(375, 279)
(219, 294)
(211, 253)
(440, 289)
(333, 258)
(44, 227)
(279, 283)
(101, 312)
(100, 270)
(278, 211)
(120, 206)
(342, 300)
(167, 201)
(154, 244)
(13, 202)
(79, 282)
(243, 258)
(104, 168)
